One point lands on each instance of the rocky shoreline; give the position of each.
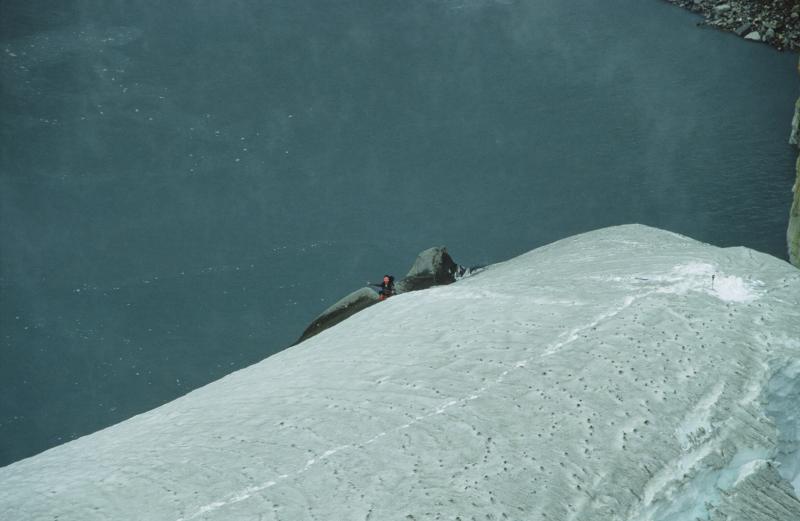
(774, 22)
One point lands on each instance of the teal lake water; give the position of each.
(183, 188)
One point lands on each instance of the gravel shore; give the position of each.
(774, 22)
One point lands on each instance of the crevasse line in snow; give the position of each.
(709, 477)
(575, 333)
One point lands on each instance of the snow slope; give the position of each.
(601, 377)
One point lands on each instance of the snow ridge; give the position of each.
(627, 374)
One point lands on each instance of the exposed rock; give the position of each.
(793, 231)
(345, 307)
(743, 29)
(753, 36)
(432, 267)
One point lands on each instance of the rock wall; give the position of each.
(793, 232)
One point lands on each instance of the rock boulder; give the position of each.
(432, 267)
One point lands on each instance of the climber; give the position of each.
(386, 288)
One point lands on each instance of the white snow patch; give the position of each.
(708, 278)
(733, 289)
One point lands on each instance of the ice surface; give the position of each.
(601, 377)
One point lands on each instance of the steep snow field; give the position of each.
(602, 377)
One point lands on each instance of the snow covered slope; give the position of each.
(601, 377)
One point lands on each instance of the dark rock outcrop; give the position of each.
(432, 267)
(345, 307)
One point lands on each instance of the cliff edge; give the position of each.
(624, 374)
(793, 232)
